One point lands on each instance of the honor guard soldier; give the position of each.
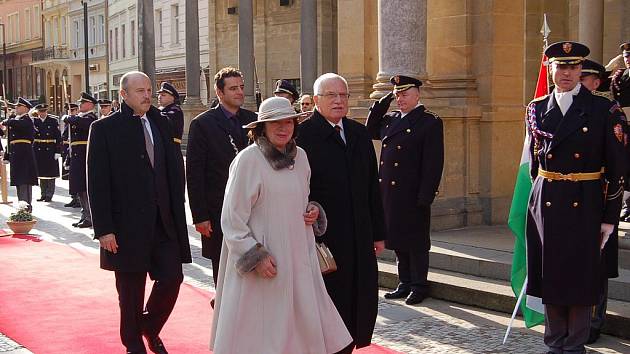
(412, 158)
(285, 89)
(72, 109)
(20, 152)
(168, 102)
(79, 130)
(104, 108)
(577, 166)
(620, 85)
(47, 146)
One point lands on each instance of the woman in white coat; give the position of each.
(271, 298)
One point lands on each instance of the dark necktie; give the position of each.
(338, 130)
(236, 130)
(148, 144)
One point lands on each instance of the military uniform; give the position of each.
(23, 171)
(577, 167)
(175, 118)
(411, 162)
(79, 127)
(47, 145)
(620, 85)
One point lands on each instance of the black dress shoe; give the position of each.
(398, 294)
(41, 199)
(414, 298)
(593, 336)
(69, 205)
(212, 303)
(49, 199)
(156, 345)
(84, 224)
(75, 224)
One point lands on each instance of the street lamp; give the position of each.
(85, 46)
(4, 70)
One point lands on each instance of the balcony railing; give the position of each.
(50, 53)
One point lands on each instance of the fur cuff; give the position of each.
(320, 225)
(251, 259)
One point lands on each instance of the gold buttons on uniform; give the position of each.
(408, 130)
(585, 129)
(380, 180)
(381, 162)
(548, 204)
(575, 204)
(576, 155)
(549, 179)
(398, 147)
(395, 164)
(393, 183)
(384, 145)
(549, 156)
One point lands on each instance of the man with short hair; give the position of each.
(23, 171)
(47, 146)
(577, 167)
(412, 159)
(214, 139)
(344, 180)
(138, 211)
(306, 103)
(79, 128)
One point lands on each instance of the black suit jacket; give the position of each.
(209, 153)
(121, 194)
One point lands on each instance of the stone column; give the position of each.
(308, 45)
(146, 40)
(591, 27)
(192, 105)
(246, 49)
(192, 53)
(396, 56)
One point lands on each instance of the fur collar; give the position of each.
(277, 159)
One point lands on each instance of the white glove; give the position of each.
(57, 156)
(605, 231)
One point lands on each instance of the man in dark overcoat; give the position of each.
(412, 158)
(79, 127)
(214, 139)
(344, 180)
(47, 146)
(21, 132)
(134, 184)
(577, 167)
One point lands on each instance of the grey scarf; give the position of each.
(277, 159)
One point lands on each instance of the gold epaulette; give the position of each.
(432, 113)
(605, 94)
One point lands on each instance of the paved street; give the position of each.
(434, 327)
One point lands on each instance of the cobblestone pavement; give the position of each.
(434, 327)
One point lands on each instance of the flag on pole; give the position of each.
(531, 308)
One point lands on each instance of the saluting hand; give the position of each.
(108, 242)
(204, 228)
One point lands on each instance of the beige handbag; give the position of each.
(327, 262)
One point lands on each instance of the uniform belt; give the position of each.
(178, 141)
(66, 142)
(582, 176)
(80, 142)
(21, 141)
(44, 141)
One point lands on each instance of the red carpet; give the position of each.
(55, 299)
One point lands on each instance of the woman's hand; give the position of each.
(267, 268)
(311, 214)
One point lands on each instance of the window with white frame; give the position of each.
(37, 21)
(111, 46)
(48, 29)
(123, 36)
(116, 41)
(27, 23)
(14, 28)
(158, 29)
(101, 29)
(175, 24)
(54, 35)
(64, 30)
(92, 37)
(133, 37)
(77, 34)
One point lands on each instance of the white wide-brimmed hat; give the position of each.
(276, 108)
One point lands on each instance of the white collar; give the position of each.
(404, 114)
(340, 124)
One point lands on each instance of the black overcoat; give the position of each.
(566, 216)
(344, 180)
(412, 158)
(175, 118)
(47, 143)
(23, 168)
(79, 130)
(210, 150)
(65, 150)
(121, 200)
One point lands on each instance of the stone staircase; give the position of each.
(472, 266)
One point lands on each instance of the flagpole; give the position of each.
(545, 31)
(518, 303)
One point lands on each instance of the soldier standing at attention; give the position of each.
(104, 108)
(168, 104)
(72, 109)
(412, 158)
(79, 130)
(20, 135)
(577, 167)
(47, 146)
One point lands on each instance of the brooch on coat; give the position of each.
(618, 132)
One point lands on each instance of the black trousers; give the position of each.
(166, 271)
(567, 328)
(413, 268)
(598, 316)
(25, 193)
(86, 213)
(47, 187)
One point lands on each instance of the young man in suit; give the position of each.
(134, 185)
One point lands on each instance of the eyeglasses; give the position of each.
(330, 95)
